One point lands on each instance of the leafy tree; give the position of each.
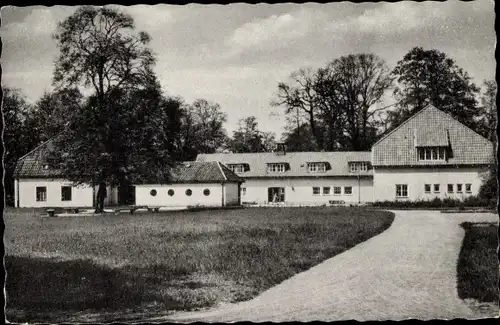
(201, 128)
(488, 111)
(18, 139)
(138, 142)
(248, 138)
(53, 110)
(100, 51)
(431, 77)
(208, 120)
(487, 124)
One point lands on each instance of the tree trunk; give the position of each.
(101, 195)
(314, 131)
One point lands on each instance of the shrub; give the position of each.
(471, 202)
(489, 187)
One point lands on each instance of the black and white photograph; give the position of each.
(250, 162)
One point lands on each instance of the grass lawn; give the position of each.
(67, 269)
(478, 263)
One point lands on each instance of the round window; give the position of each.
(206, 192)
(153, 192)
(189, 192)
(170, 192)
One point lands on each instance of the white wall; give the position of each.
(385, 181)
(231, 193)
(81, 196)
(162, 199)
(299, 191)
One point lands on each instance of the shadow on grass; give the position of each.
(39, 285)
(478, 263)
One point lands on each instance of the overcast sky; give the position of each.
(236, 54)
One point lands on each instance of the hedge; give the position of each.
(469, 202)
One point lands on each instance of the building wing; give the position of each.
(426, 135)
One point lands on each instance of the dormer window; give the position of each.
(237, 168)
(316, 167)
(360, 166)
(276, 168)
(431, 153)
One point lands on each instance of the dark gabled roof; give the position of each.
(202, 172)
(34, 165)
(338, 162)
(432, 127)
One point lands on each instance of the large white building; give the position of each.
(430, 155)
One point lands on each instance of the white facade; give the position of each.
(299, 191)
(416, 179)
(210, 195)
(81, 196)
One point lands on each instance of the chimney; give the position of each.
(280, 149)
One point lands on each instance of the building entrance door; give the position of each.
(276, 194)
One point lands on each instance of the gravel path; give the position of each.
(408, 271)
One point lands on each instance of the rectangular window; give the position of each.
(316, 190)
(427, 188)
(326, 190)
(237, 168)
(316, 167)
(347, 190)
(459, 188)
(450, 188)
(436, 188)
(435, 153)
(243, 191)
(65, 193)
(358, 166)
(337, 190)
(468, 188)
(276, 168)
(41, 193)
(401, 190)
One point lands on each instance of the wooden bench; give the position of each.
(336, 202)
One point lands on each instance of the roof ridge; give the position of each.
(287, 154)
(463, 125)
(405, 122)
(37, 147)
(220, 168)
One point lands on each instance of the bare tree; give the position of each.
(301, 95)
(339, 100)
